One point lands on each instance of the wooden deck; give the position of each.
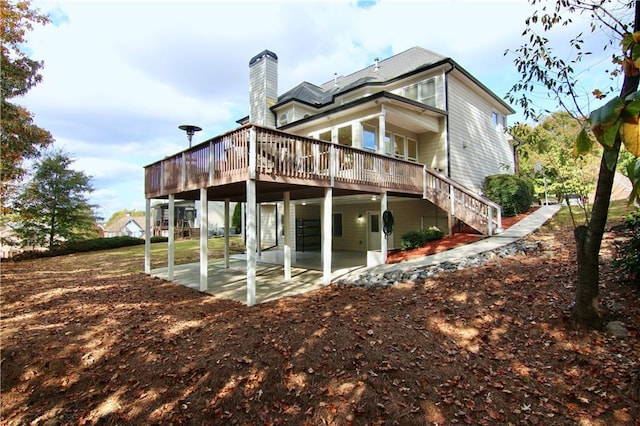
(273, 157)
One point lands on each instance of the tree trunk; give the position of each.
(52, 231)
(586, 310)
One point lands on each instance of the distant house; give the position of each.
(131, 226)
(186, 214)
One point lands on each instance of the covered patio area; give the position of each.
(231, 282)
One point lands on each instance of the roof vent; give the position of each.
(335, 79)
(377, 64)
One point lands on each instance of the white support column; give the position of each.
(287, 236)
(243, 221)
(251, 242)
(383, 236)
(147, 236)
(204, 240)
(326, 235)
(172, 236)
(382, 129)
(226, 233)
(259, 228)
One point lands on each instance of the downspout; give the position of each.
(446, 107)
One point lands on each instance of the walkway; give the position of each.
(511, 235)
(231, 283)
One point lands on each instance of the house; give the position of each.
(186, 214)
(130, 226)
(351, 164)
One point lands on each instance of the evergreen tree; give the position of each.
(53, 205)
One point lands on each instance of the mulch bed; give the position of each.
(462, 235)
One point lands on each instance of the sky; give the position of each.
(119, 77)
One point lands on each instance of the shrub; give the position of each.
(414, 239)
(513, 193)
(628, 254)
(81, 246)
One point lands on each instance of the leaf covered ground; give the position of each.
(83, 344)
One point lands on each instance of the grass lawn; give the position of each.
(89, 339)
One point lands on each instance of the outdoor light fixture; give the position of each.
(360, 218)
(191, 130)
(374, 198)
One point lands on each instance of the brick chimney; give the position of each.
(263, 88)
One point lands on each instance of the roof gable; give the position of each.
(122, 222)
(407, 62)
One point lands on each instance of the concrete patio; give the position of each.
(231, 283)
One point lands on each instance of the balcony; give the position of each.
(270, 157)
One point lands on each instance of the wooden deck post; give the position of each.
(147, 236)
(226, 233)
(452, 211)
(287, 236)
(204, 241)
(183, 171)
(171, 240)
(326, 227)
(212, 162)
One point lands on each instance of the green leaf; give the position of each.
(611, 158)
(635, 54)
(606, 115)
(609, 136)
(631, 112)
(583, 143)
(633, 172)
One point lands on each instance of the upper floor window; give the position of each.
(283, 118)
(498, 120)
(424, 92)
(345, 136)
(369, 138)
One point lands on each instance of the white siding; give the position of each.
(263, 91)
(476, 148)
(432, 150)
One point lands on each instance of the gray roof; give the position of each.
(388, 69)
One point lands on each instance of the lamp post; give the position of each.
(191, 130)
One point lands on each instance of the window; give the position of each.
(398, 145)
(344, 136)
(412, 150)
(325, 136)
(369, 138)
(375, 223)
(427, 92)
(337, 225)
(388, 149)
(283, 118)
(498, 120)
(424, 92)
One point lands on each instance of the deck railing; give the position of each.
(255, 152)
(472, 209)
